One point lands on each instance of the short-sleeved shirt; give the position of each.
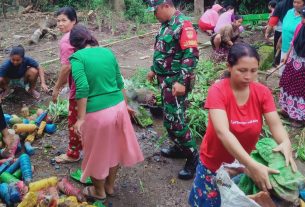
(290, 23)
(245, 121)
(7, 69)
(66, 50)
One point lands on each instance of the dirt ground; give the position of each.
(153, 182)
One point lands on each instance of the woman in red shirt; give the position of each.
(236, 107)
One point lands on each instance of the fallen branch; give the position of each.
(105, 45)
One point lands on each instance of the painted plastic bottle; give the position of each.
(4, 193)
(5, 165)
(41, 117)
(15, 145)
(8, 178)
(26, 168)
(50, 128)
(14, 194)
(69, 189)
(43, 184)
(29, 149)
(29, 200)
(18, 174)
(25, 112)
(13, 167)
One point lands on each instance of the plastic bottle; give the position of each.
(5, 165)
(14, 194)
(26, 168)
(29, 200)
(43, 184)
(18, 174)
(41, 128)
(15, 146)
(25, 112)
(29, 149)
(24, 128)
(41, 117)
(13, 167)
(4, 193)
(69, 189)
(50, 128)
(31, 137)
(8, 178)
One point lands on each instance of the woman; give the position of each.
(227, 34)
(292, 94)
(103, 122)
(275, 22)
(66, 19)
(236, 107)
(208, 20)
(20, 70)
(290, 22)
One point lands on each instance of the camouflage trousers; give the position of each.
(174, 120)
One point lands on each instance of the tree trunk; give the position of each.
(198, 7)
(118, 5)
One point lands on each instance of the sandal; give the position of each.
(88, 192)
(63, 158)
(6, 93)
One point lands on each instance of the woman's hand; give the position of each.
(55, 94)
(260, 175)
(44, 87)
(285, 149)
(77, 126)
(150, 76)
(178, 89)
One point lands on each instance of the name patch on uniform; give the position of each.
(188, 38)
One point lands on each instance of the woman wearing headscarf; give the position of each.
(275, 22)
(208, 20)
(292, 91)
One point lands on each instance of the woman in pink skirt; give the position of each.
(103, 122)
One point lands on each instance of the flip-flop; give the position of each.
(10, 91)
(63, 158)
(87, 191)
(35, 94)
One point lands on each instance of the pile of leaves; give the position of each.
(59, 110)
(206, 72)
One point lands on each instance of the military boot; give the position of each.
(189, 169)
(173, 152)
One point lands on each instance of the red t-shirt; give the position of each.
(245, 121)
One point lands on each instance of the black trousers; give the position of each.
(2, 120)
(277, 59)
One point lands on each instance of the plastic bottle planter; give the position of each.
(70, 190)
(24, 128)
(14, 193)
(7, 118)
(4, 193)
(29, 149)
(15, 120)
(41, 117)
(25, 121)
(43, 184)
(26, 168)
(8, 178)
(29, 200)
(14, 146)
(5, 165)
(31, 137)
(41, 128)
(13, 167)
(18, 174)
(50, 128)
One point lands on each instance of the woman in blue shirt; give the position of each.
(21, 70)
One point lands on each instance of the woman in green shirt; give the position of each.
(108, 136)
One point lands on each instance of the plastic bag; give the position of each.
(231, 195)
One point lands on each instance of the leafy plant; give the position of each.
(299, 146)
(59, 109)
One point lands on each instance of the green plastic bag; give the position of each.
(78, 174)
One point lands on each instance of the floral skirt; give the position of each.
(204, 191)
(292, 88)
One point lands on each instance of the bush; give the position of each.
(136, 11)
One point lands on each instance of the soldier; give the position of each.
(175, 57)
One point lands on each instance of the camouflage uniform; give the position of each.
(175, 57)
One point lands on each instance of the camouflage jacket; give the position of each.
(176, 53)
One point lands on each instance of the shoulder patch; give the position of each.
(188, 38)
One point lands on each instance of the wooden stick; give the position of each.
(105, 45)
(276, 69)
